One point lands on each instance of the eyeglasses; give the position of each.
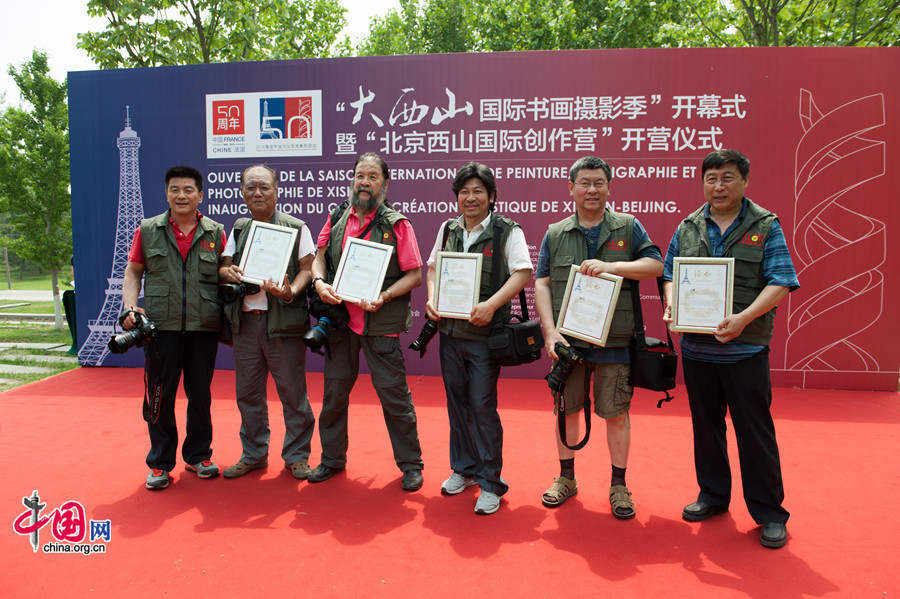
(584, 184)
(261, 188)
(724, 180)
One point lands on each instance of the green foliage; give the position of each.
(34, 168)
(428, 26)
(145, 33)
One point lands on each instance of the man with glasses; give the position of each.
(730, 369)
(600, 241)
(374, 326)
(268, 328)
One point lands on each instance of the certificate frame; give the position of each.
(611, 284)
(378, 256)
(283, 240)
(683, 270)
(445, 260)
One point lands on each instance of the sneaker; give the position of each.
(299, 470)
(457, 483)
(157, 479)
(487, 503)
(241, 468)
(204, 469)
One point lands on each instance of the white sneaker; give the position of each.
(457, 483)
(487, 503)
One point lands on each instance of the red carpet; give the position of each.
(79, 436)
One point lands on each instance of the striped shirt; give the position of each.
(778, 270)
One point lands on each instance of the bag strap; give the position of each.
(639, 335)
(498, 264)
(561, 412)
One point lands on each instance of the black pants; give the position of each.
(744, 389)
(165, 359)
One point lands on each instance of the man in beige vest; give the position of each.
(600, 241)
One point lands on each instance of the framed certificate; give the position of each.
(267, 252)
(360, 273)
(701, 293)
(458, 283)
(588, 306)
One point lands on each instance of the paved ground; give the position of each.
(27, 295)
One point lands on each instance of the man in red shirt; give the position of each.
(373, 326)
(176, 254)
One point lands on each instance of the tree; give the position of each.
(423, 26)
(147, 33)
(34, 172)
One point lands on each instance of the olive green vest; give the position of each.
(284, 319)
(181, 295)
(393, 317)
(568, 246)
(484, 245)
(744, 244)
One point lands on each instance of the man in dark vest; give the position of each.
(176, 253)
(600, 241)
(730, 369)
(374, 326)
(268, 328)
(470, 375)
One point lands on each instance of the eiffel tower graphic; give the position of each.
(131, 211)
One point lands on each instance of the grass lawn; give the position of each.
(39, 282)
(31, 308)
(33, 333)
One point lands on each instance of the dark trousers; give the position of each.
(389, 379)
(744, 389)
(165, 359)
(476, 434)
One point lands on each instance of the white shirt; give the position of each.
(515, 251)
(259, 301)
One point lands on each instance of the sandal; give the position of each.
(561, 489)
(620, 501)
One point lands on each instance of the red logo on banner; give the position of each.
(616, 244)
(228, 117)
(752, 239)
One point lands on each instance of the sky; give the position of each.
(51, 26)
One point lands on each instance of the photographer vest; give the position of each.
(393, 317)
(181, 295)
(484, 245)
(284, 319)
(744, 244)
(568, 245)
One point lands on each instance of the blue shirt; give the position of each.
(778, 270)
(639, 236)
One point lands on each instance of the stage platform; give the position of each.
(79, 437)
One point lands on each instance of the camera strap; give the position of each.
(561, 411)
(498, 264)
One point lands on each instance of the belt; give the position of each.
(255, 312)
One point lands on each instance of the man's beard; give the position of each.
(368, 205)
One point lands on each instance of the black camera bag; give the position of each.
(653, 362)
(514, 340)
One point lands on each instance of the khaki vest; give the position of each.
(744, 244)
(181, 295)
(393, 317)
(484, 245)
(568, 246)
(285, 319)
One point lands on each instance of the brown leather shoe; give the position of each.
(299, 470)
(241, 468)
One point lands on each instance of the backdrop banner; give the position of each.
(816, 124)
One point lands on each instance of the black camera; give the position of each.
(143, 333)
(569, 358)
(231, 292)
(425, 335)
(330, 317)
